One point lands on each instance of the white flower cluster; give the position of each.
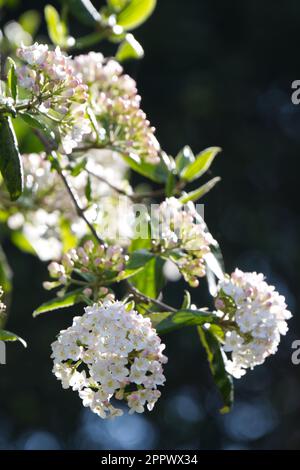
(45, 205)
(116, 104)
(111, 353)
(56, 91)
(254, 316)
(103, 74)
(181, 235)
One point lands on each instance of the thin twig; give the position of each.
(146, 299)
(79, 210)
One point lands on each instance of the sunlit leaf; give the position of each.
(12, 81)
(201, 164)
(10, 159)
(184, 158)
(183, 318)
(30, 21)
(130, 48)
(135, 13)
(65, 301)
(57, 29)
(216, 363)
(200, 192)
(8, 336)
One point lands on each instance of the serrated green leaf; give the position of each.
(135, 13)
(200, 192)
(12, 80)
(69, 299)
(130, 48)
(184, 158)
(183, 318)
(8, 336)
(10, 159)
(201, 164)
(216, 363)
(84, 11)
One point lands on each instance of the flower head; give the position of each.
(56, 91)
(110, 353)
(254, 316)
(98, 261)
(116, 104)
(181, 235)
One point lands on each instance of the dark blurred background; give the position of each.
(215, 73)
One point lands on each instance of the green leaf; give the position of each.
(5, 272)
(158, 317)
(184, 158)
(157, 173)
(130, 48)
(150, 280)
(186, 304)
(8, 336)
(69, 240)
(30, 21)
(21, 242)
(84, 11)
(170, 184)
(201, 164)
(12, 79)
(117, 5)
(57, 29)
(69, 299)
(216, 363)
(36, 123)
(135, 13)
(183, 318)
(10, 159)
(137, 262)
(200, 192)
(88, 189)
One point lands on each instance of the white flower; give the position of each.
(97, 357)
(254, 316)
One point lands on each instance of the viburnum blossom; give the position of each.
(56, 91)
(111, 353)
(104, 74)
(102, 262)
(116, 104)
(254, 316)
(181, 235)
(45, 205)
